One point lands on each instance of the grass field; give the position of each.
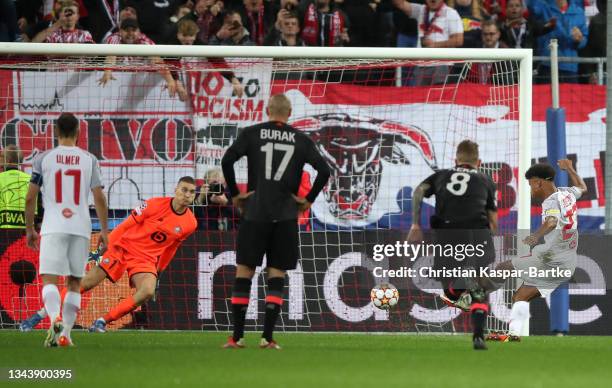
(195, 359)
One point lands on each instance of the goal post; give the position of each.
(380, 139)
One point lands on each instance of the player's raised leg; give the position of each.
(274, 301)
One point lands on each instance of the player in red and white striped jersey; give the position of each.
(65, 30)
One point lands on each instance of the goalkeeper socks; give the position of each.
(518, 315)
(479, 313)
(274, 301)
(51, 299)
(240, 303)
(72, 305)
(124, 307)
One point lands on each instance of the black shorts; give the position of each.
(279, 241)
(472, 248)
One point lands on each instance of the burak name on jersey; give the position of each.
(273, 134)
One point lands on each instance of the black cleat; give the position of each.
(479, 343)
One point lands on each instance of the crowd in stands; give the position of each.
(579, 25)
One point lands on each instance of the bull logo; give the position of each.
(354, 148)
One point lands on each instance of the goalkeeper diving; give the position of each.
(143, 245)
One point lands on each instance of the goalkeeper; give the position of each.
(143, 245)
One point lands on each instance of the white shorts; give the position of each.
(63, 254)
(541, 264)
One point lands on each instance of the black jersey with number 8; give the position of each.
(463, 198)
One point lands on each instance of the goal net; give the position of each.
(383, 120)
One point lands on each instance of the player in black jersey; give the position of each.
(466, 215)
(276, 155)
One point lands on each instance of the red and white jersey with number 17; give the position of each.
(66, 175)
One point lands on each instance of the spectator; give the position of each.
(129, 33)
(181, 12)
(232, 32)
(596, 45)
(65, 29)
(495, 9)
(471, 16)
(13, 188)
(518, 32)
(439, 26)
(97, 17)
(213, 206)
(187, 35)
(32, 19)
(368, 24)
(289, 33)
(406, 26)
(259, 16)
(208, 18)
(487, 72)
(153, 17)
(125, 13)
(324, 25)
(8, 21)
(29, 14)
(568, 27)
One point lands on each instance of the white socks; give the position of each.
(51, 299)
(518, 315)
(72, 305)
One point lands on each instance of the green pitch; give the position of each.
(194, 359)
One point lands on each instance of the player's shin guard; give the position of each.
(240, 303)
(72, 305)
(274, 301)
(519, 314)
(51, 299)
(124, 307)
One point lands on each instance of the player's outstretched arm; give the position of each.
(30, 210)
(575, 179)
(102, 212)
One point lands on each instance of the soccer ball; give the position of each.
(384, 296)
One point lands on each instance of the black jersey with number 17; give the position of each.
(276, 154)
(463, 198)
